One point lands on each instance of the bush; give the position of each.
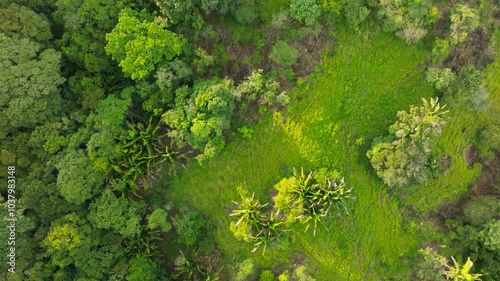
(491, 235)
(305, 10)
(463, 20)
(283, 54)
(188, 225)
(245, 269)
(479, 210)
(267, 275)
(441, 79)
(300, 274)
(245, 11)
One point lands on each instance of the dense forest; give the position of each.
(244, 140)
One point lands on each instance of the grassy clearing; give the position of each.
(353, 98)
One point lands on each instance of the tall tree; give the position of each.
(138, 44)
(402, 158)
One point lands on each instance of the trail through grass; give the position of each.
(353, 98)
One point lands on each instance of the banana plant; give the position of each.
(143, 150)
(315, 197)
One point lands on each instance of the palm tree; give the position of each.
(457, 273)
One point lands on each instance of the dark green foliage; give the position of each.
(188, 225)
(77, 180)
(142, 150)
(244, 11)
(115, 213)
(142, 268)
(305, 10)
(479, 210)
(466, 86)
(21, 22)
(283, 54)
(107, 121)
(402, 159)
(30, 79)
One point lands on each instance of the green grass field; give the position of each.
(353, 98)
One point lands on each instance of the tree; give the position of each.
(433, 266)
(490, 235)
(258, 87)
(30, 80)
(457, 273)
(158, 219)
(410, 19)
(440, 78)
(138, 46)
(283, 54)
(188, 225)
(77, 181)
(244, 11)
(479, 210)
(463, 20)
(305, 10)
(201, 115)
(21, 22)
(117, 214)
(142, 268)
(402, 158)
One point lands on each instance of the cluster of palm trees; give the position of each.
(257, 225)
(315, 194)
(311, 197)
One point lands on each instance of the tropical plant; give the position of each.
(255, 225)
(311, 197)
(142, 149)
(457, 273)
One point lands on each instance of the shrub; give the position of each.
(188, 225)
(283, 54)
(245, 11)
(441, 79)
(480, 210)
(491, 235)
(305, 10)
(267, 275)
(463, 20)
(245, 270)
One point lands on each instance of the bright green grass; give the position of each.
(459, 134)
(357, 95)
